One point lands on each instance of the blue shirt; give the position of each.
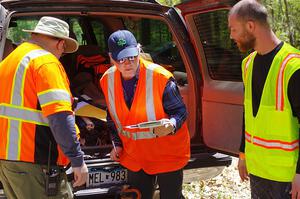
(172, 103)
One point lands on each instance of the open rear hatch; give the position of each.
(105, 174)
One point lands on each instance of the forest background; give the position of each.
(285, 19)
(284, 16)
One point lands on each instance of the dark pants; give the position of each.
(268, 189)
(170, 184)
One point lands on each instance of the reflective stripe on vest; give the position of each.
(247, 64)
(149, 93)
(111, 97)
(279, 87)
(17, 100)
(52, 96)
(22, 114)
(272, 144)
(149, 104)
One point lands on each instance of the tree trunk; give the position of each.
(288, 23)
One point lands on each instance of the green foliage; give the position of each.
(285, 19)
(151, 33)
(170, 2)
(16, 34)
(284, 16)
(76, 28)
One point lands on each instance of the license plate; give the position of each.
(102, 176)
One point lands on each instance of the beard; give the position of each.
(247, 43)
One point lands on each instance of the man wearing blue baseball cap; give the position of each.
(138, 91)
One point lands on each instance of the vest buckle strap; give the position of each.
(139, 135)
(143, 135)
(125, 133)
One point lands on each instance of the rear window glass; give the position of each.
(92, 34)
(17, 36)
(15, 33)
(222, 56)
(76, 31)
(100, 34)
(156, 39)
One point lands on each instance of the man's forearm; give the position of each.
(63, 129)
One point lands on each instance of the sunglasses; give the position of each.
(123, 60)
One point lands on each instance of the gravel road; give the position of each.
(227, 185)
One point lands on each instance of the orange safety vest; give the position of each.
(141, 148)
(33, 85)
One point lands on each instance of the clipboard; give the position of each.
(87, 110)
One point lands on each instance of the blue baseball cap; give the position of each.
(121, 44)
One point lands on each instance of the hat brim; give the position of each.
(127, 52)
(71, 44)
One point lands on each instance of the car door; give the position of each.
(219, 63)
(3, 16)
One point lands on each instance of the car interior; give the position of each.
(86, 66)
(160, 44)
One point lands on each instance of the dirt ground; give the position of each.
(227, 185)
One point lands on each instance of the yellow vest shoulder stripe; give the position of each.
(279, 87)
(53, 96)
(19, 78)
(249, 59)
(17, 98)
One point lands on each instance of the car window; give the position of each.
(154, 35)
(222, 56)
(156, 41)
(76, 31)
(17, 36)
(15, 33)
(100, 34)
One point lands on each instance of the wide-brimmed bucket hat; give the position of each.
(54, 27)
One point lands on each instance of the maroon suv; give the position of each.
(190, 39)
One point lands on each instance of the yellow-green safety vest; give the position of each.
(272, 136)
